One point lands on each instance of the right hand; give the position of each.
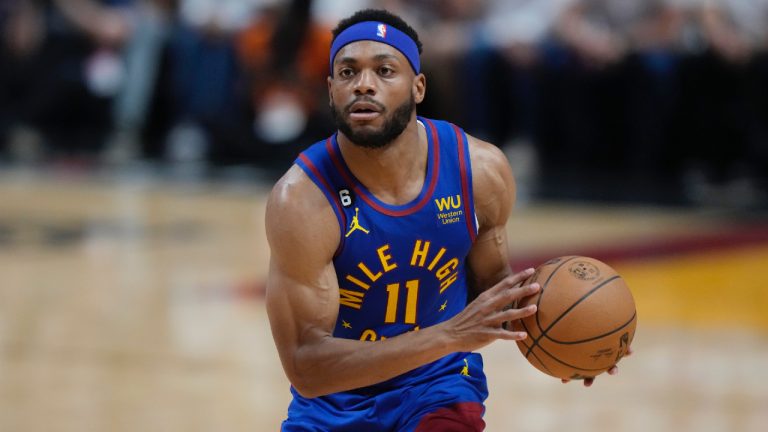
(480, 323)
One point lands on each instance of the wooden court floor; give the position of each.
(133, 304)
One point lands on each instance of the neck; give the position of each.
(394, 173)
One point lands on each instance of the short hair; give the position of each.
(378, 15)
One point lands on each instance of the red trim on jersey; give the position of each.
(335, 201)
(343, 170)
(464, 152)
(340, 166)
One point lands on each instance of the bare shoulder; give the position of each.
(489, 163)
(301, 225)
(492, 181)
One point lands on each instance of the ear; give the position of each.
(329, 80)
(419, 88)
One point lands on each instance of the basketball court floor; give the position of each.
(129, 303)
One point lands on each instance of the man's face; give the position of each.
(373, 93)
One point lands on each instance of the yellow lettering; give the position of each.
(384, 257)
(410, 301)
(442, 204)
(371, 336)
(419, 253)
(393, 290)
(436, 259)
(447, 268)
(446, 203)
(358, 282)
(448, 282)
(371, 276)
(353, 299)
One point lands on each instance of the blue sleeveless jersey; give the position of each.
(400, 268)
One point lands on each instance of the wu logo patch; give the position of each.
(449, 209)
(381, 31)
(448, 203)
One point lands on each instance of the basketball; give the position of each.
(585, 320)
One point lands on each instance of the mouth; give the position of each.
(364, 111)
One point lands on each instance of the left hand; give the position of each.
(612, 371)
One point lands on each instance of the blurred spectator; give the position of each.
(503, 71)
(23, 34)
(142, 58)
(208, 104)
(725, 94)
(66, 62)
(735, 29)
(609, 97)
(46, 100)
(285, 55)
(641, 91)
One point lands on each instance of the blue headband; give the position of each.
(378, 32)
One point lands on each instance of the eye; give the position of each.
(386, 71)
(345, 73)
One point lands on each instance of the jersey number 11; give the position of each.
(393, 291)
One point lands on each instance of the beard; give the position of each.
(392, 128)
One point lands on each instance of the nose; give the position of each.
(365, 83)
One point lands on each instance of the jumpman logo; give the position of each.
(355, 225)
(465, 369)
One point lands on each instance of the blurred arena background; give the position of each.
(139, 138)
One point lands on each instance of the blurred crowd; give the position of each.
(661, 94)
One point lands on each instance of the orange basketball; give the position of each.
(585, 320)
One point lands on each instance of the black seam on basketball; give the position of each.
(544, 286)
(525, 327)
(569, 365)
(617, 329)
(549, 371)
(584, 297)
(544, 365)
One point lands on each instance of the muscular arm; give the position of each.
(494, 191)
(303, 304)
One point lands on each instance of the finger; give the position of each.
(613, 371)
(510, 281)
(588, 382)
(565, 381)
(629, 351)
(510, 296)
(509, 335)
(520, 276)
(510, 315)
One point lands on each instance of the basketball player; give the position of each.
(379, 235)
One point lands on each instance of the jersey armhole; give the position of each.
(465, 170)
(317, 178)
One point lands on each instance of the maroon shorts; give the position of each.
(459, 417)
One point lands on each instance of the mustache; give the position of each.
(367, 99)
